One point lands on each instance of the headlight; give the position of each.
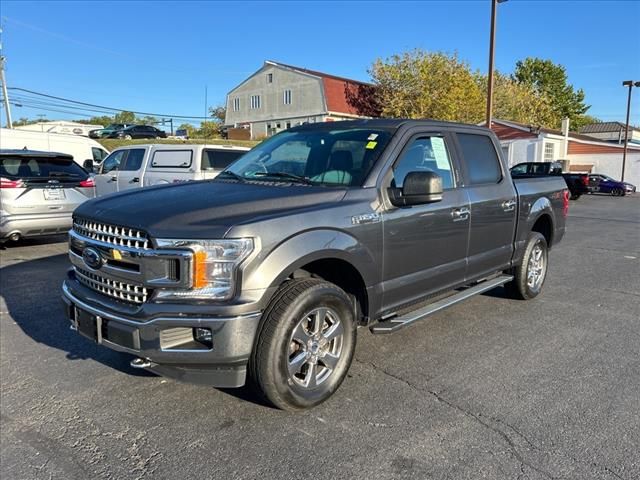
(215, 263)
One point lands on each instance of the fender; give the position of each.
(305, 247)
(542, 206)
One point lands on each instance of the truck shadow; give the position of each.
(32, 293)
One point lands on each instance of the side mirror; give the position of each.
(418, 188)
(88, 165)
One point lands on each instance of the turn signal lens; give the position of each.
(565, 203)
(200, 269)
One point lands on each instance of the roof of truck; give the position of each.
(385, 123)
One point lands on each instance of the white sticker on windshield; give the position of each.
(440, 153)
(372, 137)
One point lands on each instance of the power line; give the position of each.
(107, 108)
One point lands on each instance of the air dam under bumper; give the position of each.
(164, 342)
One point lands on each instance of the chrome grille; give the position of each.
(128, 292)
(113, 234)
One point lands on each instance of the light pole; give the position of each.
(630, 84)
(492, 40)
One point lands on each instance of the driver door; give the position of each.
(425, 246)
(107, 180)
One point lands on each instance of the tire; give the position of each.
(536, 255)
(305, 344)
(127, 137)
(617, 192)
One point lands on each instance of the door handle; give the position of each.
(114, 178)
(509, 205)
(134, 180)
(460, 214)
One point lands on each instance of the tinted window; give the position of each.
(134, 160)
(427, 154)
(520, 169)
(34, 168)
(219, 159)
(112, 162)
(172, 158)
(481, 158)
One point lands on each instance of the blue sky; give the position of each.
(159, 56)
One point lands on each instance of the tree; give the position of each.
(22, 121)
(581, 120)
(550, 80)
(519, 102)
(421, 84)
(218, 113)
(147, 120)
(125, 117)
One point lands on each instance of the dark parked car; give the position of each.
(578, 183)
(138, 131)
(108, 130)
(263, 274)
(599, 183)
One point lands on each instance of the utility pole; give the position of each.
(492, 40)
(5, 95)
(630, 84)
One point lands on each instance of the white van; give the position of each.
(80, 148)
(145, 165)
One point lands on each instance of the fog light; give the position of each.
(204, 336)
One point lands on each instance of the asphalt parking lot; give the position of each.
(491, 388)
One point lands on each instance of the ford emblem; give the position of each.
(92, 258)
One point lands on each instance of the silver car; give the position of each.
(39, 192)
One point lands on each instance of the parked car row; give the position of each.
(578, 183)
(128, 132)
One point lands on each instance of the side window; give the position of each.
(425, 154)
(134, 160)
(481, 158)
(112, 162)
(172, 158)
(519, 169)
(98, 154)
(219, 159)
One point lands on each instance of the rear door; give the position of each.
(130, 171)
(107, 180)
(493, 203)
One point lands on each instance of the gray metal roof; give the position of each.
(606, 127)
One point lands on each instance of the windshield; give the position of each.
(318, 157)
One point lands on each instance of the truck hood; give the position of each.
(204, 209)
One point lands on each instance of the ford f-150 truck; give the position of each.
(263, 274)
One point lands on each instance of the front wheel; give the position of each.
(305, 344)
(617, 192)
(127, 137)
(529, 276)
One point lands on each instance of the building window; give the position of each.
(255, 102)
(288, 125)
(549, 152)
(269, 77)
(286, 98)
(236, 104)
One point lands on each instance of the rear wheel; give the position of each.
(529, 276)
(305, 344)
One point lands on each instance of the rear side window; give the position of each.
(134, 160)
(35, 168)
(219, 159)
(172, 158)
(481, 158)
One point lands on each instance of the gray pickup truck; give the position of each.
(263, 274)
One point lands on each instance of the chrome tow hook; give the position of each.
(140, 363)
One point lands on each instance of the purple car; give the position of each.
(604, 184)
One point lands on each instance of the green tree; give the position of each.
(550, 80)
(421, 84)
(125, 117)
(581, 120)
(147, 120)
(103, 120)
(208, 130)
(22, 121)
(519, 102)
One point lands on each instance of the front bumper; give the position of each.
(157, 339)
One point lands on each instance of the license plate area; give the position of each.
(53, 194)
(88, 325)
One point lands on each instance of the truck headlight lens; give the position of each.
(215, 263)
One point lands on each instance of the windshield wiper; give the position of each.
(233, 175)
(288, 176)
